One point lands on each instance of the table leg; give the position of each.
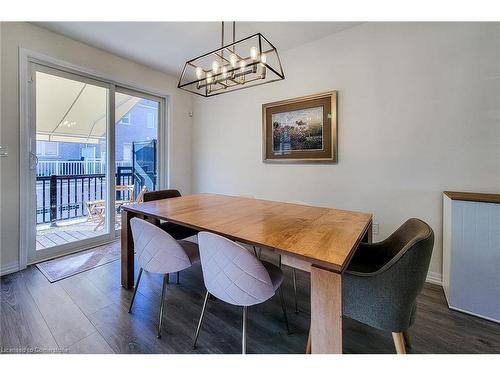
(326, 311)
(127, 249)
(368, 237)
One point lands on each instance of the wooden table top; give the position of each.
(326, 237)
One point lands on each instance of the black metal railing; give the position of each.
(66, 197)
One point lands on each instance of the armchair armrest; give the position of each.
(369, 259)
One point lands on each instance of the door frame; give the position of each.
(26, 226)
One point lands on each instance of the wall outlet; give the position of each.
(375, 228)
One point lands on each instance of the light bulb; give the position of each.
(242, 65)
(215, 67)
(199, 72)
(224, 72)
(263, 60)
(209, 78)
(233, 59)
(253, 53)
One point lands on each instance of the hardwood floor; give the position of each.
(87, 313)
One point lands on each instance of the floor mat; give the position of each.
(69, 265)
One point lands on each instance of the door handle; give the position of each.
(33, 160)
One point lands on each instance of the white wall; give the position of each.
(419, 113)
(15, 35)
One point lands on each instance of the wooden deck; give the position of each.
(60, 235)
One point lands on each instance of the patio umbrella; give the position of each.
(73, 111)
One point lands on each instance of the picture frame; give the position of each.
(300, 130)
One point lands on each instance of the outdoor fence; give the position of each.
(61, 197)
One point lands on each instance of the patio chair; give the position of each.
(96, 209)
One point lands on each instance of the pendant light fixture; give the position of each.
(248, 62)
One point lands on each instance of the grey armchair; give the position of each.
(384, 279)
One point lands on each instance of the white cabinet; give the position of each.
(471, 253)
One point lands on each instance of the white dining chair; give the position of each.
(158, 252)
(236, 276)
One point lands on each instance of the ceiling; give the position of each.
(165, 46)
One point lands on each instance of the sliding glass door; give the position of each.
(94, 148)
(70, 146)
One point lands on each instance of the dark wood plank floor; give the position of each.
(87, 313)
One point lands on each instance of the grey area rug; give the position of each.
(69, 265)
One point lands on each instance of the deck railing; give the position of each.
(75, 167)
(61, 197)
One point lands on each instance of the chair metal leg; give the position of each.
(177, 278)
(135, 290)
(283, 307)
(244, 335)
(165, 281)
(294, 278)
(198, 329)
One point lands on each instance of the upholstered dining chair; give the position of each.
(236, 276)
(178, 232)
(159, 252)
(383, 280)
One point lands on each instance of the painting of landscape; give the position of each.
(299, 130)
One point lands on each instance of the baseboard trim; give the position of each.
(435, 278)
(474, 314)
(9, 268)
(432, 277)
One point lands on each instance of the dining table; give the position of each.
(319, 240)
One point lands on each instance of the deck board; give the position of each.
(59, 235)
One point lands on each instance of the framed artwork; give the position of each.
(301, 130)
